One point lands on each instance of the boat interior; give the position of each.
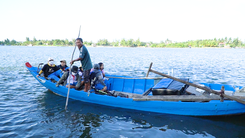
(163, 89)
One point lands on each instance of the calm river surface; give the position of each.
(27, 109)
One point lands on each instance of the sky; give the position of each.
(148, 20)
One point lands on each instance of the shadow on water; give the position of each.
(90, 120)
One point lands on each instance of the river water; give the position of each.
(27, 109)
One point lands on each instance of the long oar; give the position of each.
(69, 85)
(197, 86)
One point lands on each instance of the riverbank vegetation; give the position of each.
(223, 42)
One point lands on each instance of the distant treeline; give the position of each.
(132, 43)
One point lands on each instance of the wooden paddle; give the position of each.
(67, 97)
(198, 86)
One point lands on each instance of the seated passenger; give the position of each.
(75, 79)
(50, 70)
(101, 69)
(106, 80)
(63, 67)
(80, 72)
(96, 78)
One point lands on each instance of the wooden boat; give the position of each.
(136, 94)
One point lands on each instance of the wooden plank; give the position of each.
(145, 78)
(147, 92)
(171, 98)
(187, 98)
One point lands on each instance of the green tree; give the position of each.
(123, 42)
(34, 39)
(137, 42)
(235, 42)
(222, 40)
(7, 42)
(115, 43)
(153, 45)
(130, 42)
(230, 40)
(44, 42)
(13, 42)
(213, 43)
(103, 42)
(66, 42)
(88, 43)
(55, 42)
(71, 43)
(161, 45)
(225, 40)
(38, 43)
(143, 43)
(238, 42)
(27, 39)
(62, 42)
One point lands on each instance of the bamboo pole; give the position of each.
(149, 70)
(69, 85)
(198, 86)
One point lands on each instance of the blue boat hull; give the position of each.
(212, 108)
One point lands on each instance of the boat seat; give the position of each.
(163, 84)
(137, 86)
(170, 88)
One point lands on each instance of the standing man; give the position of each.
(84, 57)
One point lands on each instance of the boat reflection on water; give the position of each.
(84, 119)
